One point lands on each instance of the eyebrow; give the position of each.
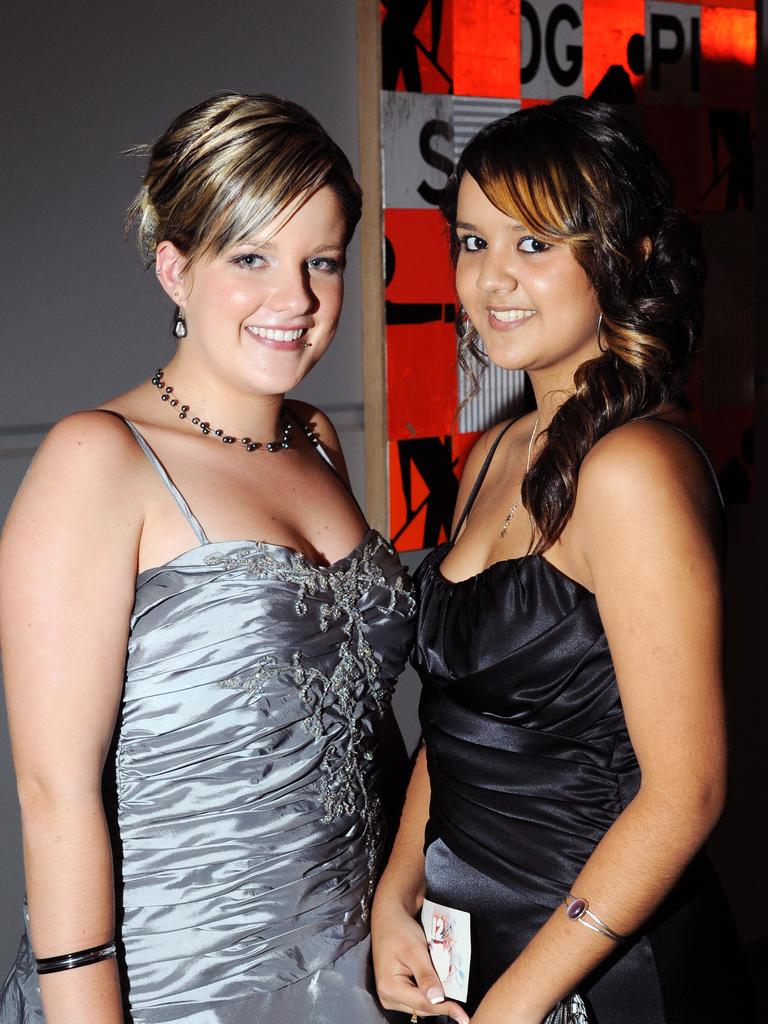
(255, 243)
(464, 226)
(330, 247)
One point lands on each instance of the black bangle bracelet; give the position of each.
(68, 961)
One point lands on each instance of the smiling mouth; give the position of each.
(509, 315)
(272, 334)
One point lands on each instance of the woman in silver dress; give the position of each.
(200, 632)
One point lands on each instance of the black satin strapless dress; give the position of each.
(530, 763)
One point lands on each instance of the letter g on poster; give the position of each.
(552, 48)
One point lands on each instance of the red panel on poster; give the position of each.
(421, 335)
(462, 446)
(607, 50)
(406, 517)
(417, 45)
(421, 379)
(744, 5)
(486, 55)
(423, 484)
(422, 270)
(678, 136)
(728, 50)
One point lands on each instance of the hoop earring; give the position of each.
(463, 323)
(599, 326)
(179, 324)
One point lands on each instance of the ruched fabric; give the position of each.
(536, 739)
(530, 763)
(242, 787)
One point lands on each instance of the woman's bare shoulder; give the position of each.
(85, 468)
(647, 456)
(97, 442)
(644, 492)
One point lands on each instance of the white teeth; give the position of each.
(272, 335)
(512, 314)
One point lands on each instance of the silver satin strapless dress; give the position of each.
(242, 784)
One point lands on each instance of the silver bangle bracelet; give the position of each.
(83, 957)
(577, 909)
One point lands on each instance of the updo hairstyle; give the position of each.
(576, 172)
(230, 165)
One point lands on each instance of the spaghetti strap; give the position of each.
(479, 480)
(701, 450)
(317, 445)
(312, 438)
(176, 494)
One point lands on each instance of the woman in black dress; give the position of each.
(570, 631)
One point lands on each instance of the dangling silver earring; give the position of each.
(180, 324)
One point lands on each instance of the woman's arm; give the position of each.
(646, 523)
(67, 577)
(405, 977)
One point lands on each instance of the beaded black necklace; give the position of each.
(167, 395)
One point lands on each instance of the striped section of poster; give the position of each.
(501, 395)
(471, 113)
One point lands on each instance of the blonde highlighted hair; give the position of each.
(230, 165)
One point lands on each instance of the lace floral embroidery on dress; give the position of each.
(256, 679)
(339, 590)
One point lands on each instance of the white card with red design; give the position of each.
(450, 946)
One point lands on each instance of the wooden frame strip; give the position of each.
(372, 264)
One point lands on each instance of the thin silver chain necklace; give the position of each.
(514, 507)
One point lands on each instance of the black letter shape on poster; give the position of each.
(733, 129)
(664, 55)
(412, 312)
(399, 43)
(616, 86)
(528, 71)
(564, 76)
(695, 53)
(433, 458)
(435, 159)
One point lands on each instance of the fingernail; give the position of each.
(434, 995)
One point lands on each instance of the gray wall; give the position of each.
(81, 320)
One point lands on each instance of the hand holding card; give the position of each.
(450, 946)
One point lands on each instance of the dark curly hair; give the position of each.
(576, 172)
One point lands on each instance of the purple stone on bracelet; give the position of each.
(576, 909)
